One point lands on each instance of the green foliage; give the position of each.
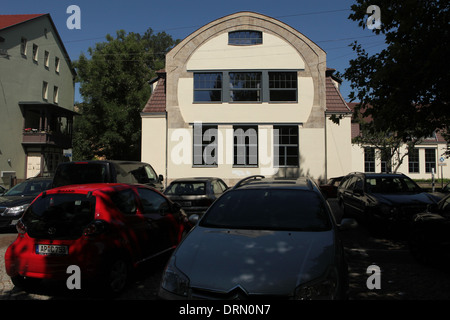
(114, 86)
(404, 88)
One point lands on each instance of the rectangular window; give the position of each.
(430, 160)
(35, 52)
(369, 160)
(286, 146)
(413, 161)
(386, 164)
(23, 46)
(46, 58)
(45, 90)
(244, 38)
(56, 64)
(245, 145)
(55, 94)
(245, 86)
(205, 145)
(207, 87)
(282, 86)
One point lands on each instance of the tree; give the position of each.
(404, 88)
(114, 86)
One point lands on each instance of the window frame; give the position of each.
(369, 162)
(204, 144)
(413, 161)
(286, 146)
(248, 156)
(244, 38)
(429, 165)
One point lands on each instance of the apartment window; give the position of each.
(286, 146)
(430, 160)
(57, 64)
(23, 46)
(35, 52)
(55, 94)
(208, 87)
(45, 90)
(46, 58)
(386, 164)
(413, 160)
(245, 38)
(245, 145)
(282, 86)
(369, 159)
(245, 86)
(205, 145)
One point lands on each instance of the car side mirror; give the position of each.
(347, 224)
(161, 177)
(194, 219)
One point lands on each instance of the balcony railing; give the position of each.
(33, 136)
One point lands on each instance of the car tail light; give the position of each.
(21, 228)
(95, 228)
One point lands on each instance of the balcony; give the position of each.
(33, 136)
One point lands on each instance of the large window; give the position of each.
(369, 159)
(245, 38)
(208, 87)
(246, 86)
(205, 145)
(430, 160)
(245, 145)
(286, 145)
(413, 160)
(283, 86)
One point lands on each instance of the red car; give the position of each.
(104, 229)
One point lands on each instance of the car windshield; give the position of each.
(391, 185)
(29, 188)
(186, 188)
(269, 209)
(132, 173)
(59, 216)
(80, 173)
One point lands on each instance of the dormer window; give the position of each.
(244, 38)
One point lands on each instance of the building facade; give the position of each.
(246, 95)
(36, 97)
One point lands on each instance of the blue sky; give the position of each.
(323, 21)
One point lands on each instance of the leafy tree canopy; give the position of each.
(405, 87)
(114, 86)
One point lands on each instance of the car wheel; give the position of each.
(25, 283)
(117, 275)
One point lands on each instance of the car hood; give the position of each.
(13, 201)
(404, 199)
(259, 262)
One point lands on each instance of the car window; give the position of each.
(29, 188)
(80, 173)
(391, 185)
(359, 184)
(223, 185)
(446, 206)
(135, 173)
(351, 183)
(345, 182)
(125, 201)
(186, 188)
(217, 188)
(59, 216)
(153, 202)
(268, 209)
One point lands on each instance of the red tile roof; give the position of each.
(8, 20)
(335, 102)
(157, 101)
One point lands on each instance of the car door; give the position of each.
(156, 209)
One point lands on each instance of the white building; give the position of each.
(246, 94)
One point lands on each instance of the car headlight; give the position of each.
(174, 280)
(321, 289)
(15, 211)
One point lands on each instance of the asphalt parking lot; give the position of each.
(401, 277)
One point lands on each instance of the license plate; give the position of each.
(186, 203)
(50, 249)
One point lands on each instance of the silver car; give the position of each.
(261, 239)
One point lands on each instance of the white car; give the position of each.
(264, 239)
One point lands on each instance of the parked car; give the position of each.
(442, 192)
(2, 190)
(104, 229)
(16, 200)
(195, 195)
(261, 239)
(329, 189)
(429, 239)
(382, 201)
(81, 172)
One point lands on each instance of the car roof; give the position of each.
(195, 179)
(89, 187)
(260, 182)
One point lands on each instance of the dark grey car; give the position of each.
(195, 195)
